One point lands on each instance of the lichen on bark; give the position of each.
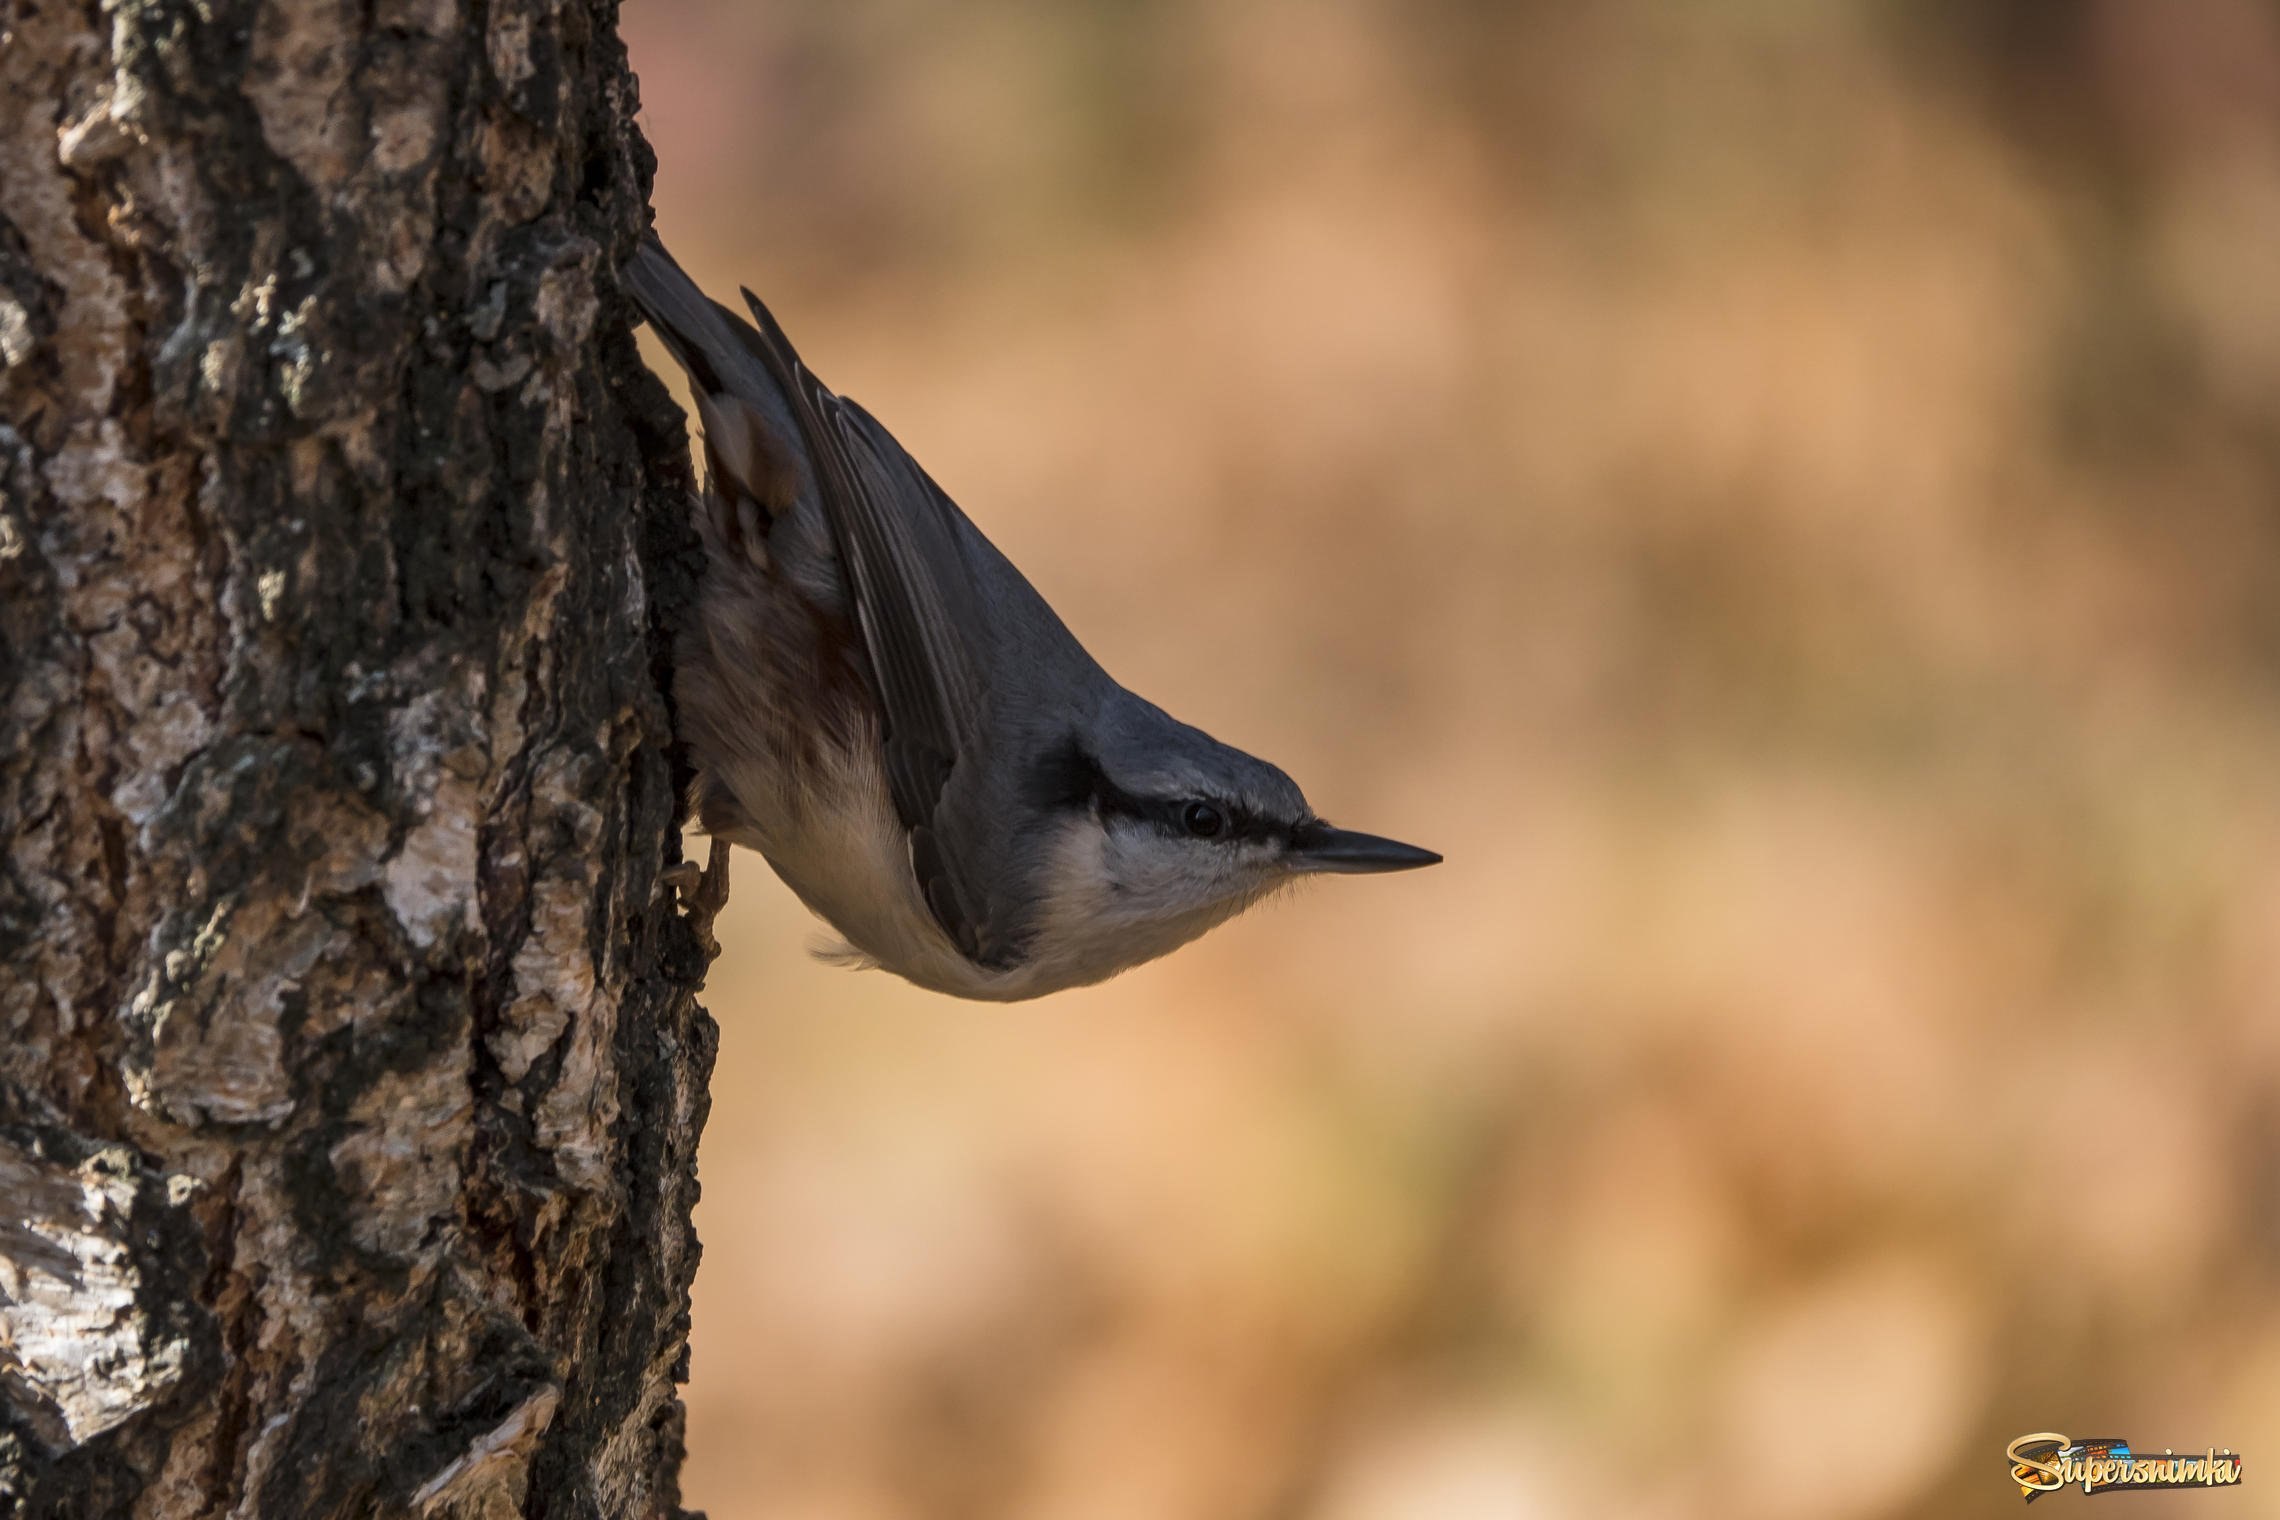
(350, 1067)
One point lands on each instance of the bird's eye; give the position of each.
(1203, 820)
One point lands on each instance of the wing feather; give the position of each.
(917, 601)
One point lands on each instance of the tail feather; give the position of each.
(704, 337)
(750, 436)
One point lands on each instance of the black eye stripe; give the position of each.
(1071, 777)
(1245, 825)
(1235, 821)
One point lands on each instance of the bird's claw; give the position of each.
(702, 894)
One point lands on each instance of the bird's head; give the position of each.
(1161, 832)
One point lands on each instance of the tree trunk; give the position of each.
(350, 1067)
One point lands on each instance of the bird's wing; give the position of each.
(906, 552)
(921, 609)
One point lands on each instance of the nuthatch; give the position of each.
(877, 701)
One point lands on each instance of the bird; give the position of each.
(876, 701)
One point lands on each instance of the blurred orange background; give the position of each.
(1787, 497)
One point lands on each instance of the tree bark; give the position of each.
(350, 1066)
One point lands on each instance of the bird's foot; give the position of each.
(702, 894)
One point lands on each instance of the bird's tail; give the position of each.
(751, 440)
(716, 346)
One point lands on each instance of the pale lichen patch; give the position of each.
(95, 138)
(94, 467)
(554, 978)
(215, 1007)
(565, 305)
(71, 1332)
(491, 1475)
(430, 882)
(576, 1116)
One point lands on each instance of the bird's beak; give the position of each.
(1319, 847)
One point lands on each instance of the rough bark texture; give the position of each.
(350, 1069)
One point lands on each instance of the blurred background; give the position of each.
(1787, 497)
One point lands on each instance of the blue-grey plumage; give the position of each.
(877, 701)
